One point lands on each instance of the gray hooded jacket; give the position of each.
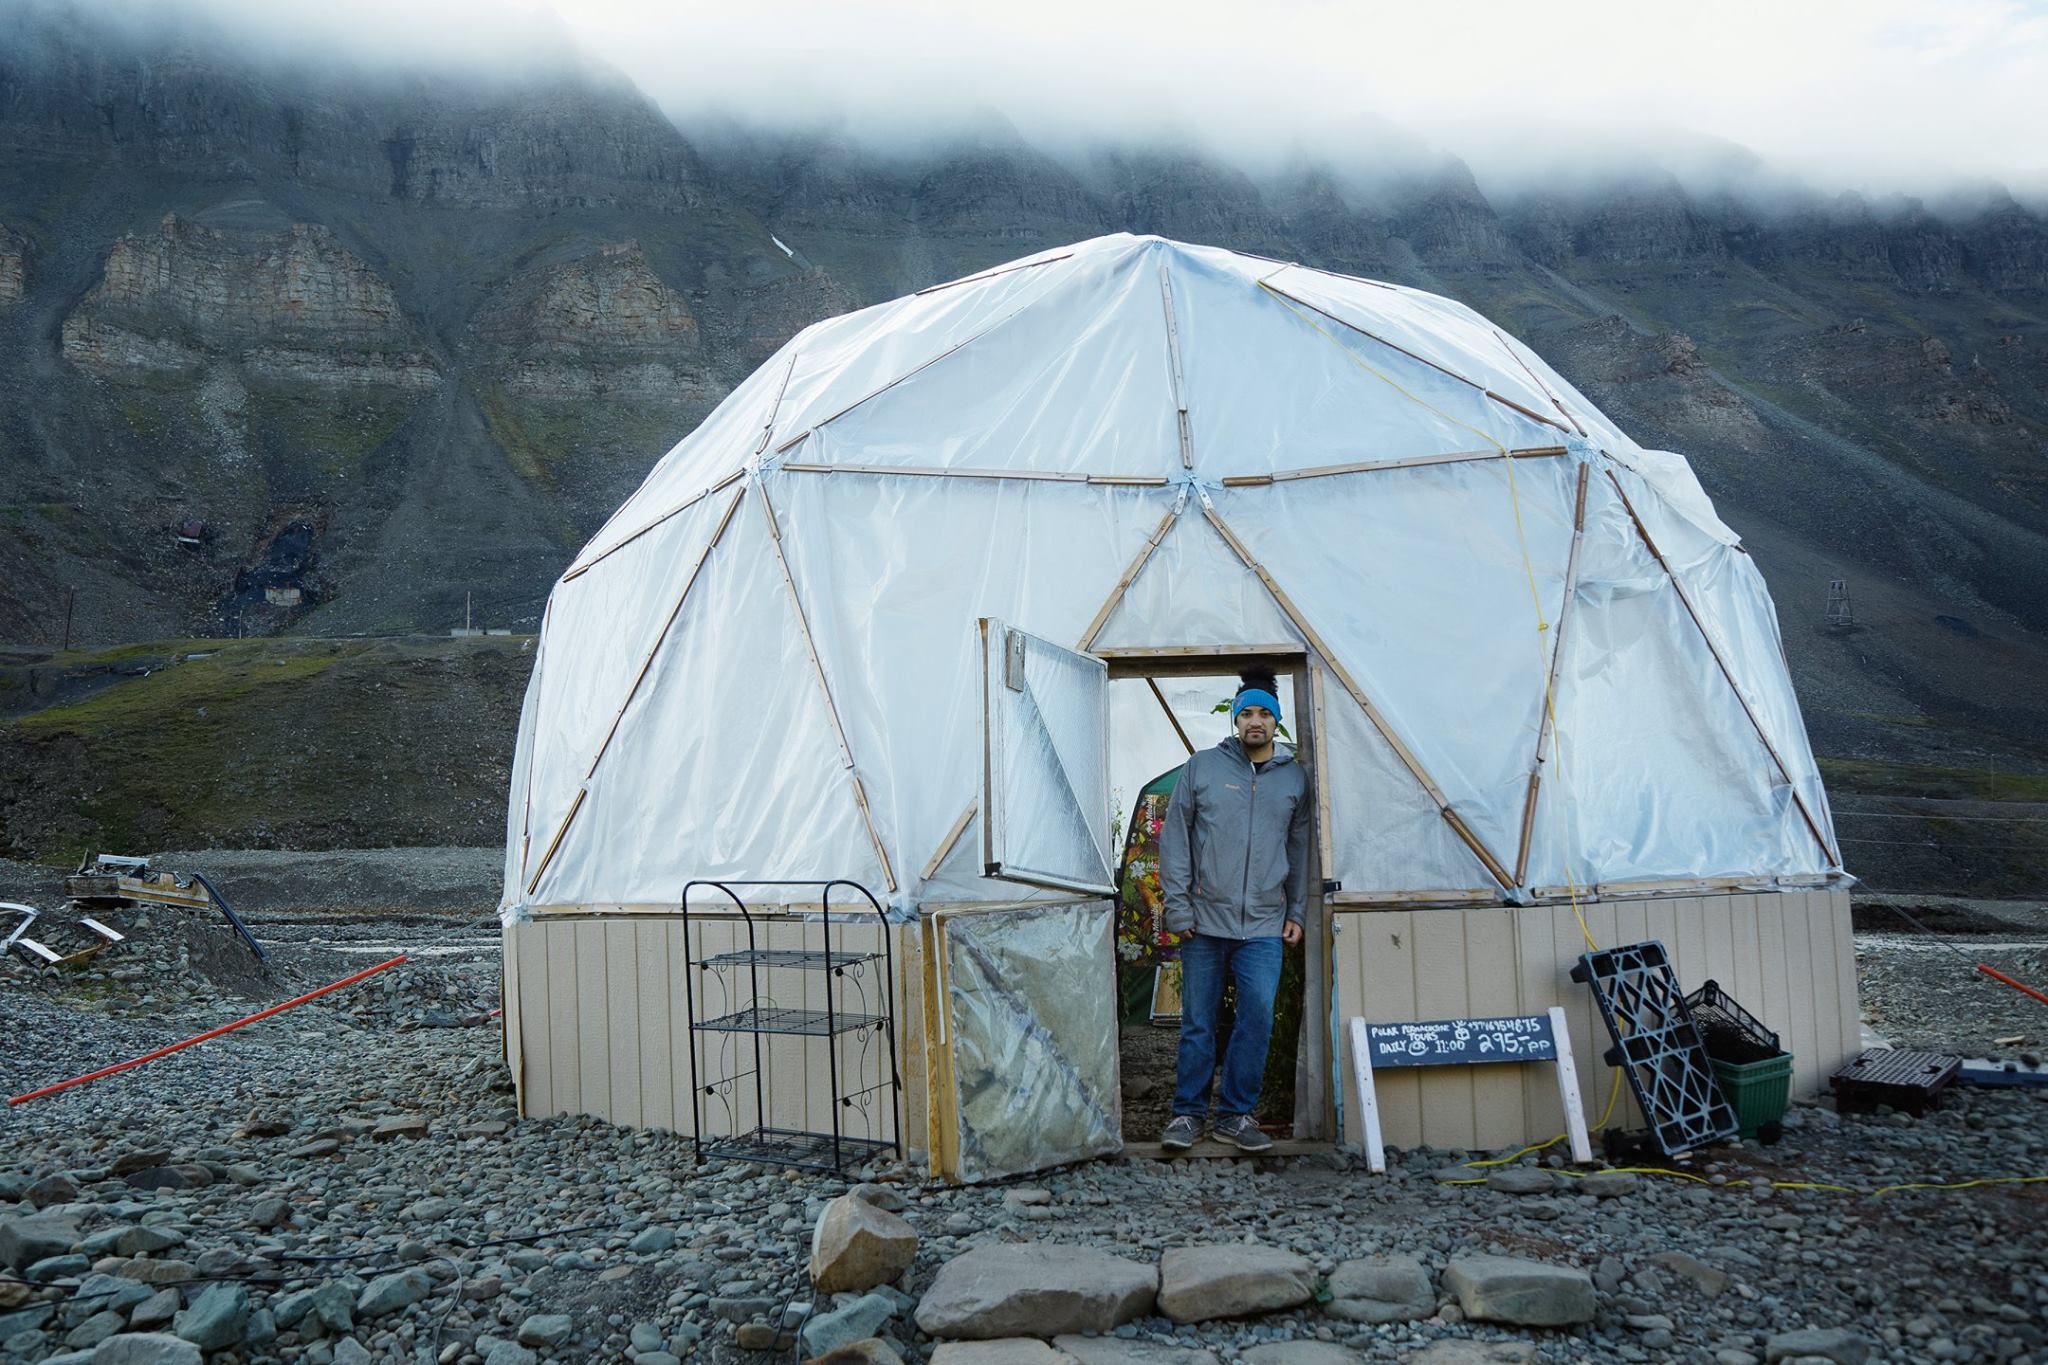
(1233, 857)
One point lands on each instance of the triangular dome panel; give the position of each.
(1194, 590)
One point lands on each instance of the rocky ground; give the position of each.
(349, 1182)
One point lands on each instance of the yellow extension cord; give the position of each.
(1571, 883)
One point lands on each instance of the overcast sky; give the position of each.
(1870, 94)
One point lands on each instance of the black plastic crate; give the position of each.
(1730, 1032)
(1658, 1046)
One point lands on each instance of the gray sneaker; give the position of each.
(1239, 1130)
(1184, 1132)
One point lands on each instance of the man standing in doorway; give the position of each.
(1233, 869)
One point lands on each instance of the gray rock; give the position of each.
(269, 1213)
(498, 1351)
(1712, 1280)
(218, 1317)
(140, 1159)
(409, 1126)
(262, 1328)
(1011, 1289)
(431, 1209)
(155, 1311)
(349, 1351)
(1838, 1344)
(546, 1329)
(94, 1329)
(323, 1310)
(857, 1245)
(870, 1351)
(147, 1241)
(24, 1241)
(53, 1189)
(1197, 1284)
(998, 1351)
(56, 1268)
(1474, 1353)
(1521, 1180)
(1380, 1289)
(856, 1321)
(145, 1348)
(645, 1337)
(654, 1239)
(1117, 1351)
(111, 1292)
(1609, 1184)
(186, 1176)
(68, 1358)
(389, 1293)
(1527, 1293)
(881, 1196)
(758, 1336)
(1300, 1353)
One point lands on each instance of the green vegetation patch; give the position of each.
(1872, 778)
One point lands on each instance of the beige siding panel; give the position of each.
(1492, 986)
(1387, 959)
(534, 1020)
(1745, 943)
(1690, 943)
(1801, 1039)
(682, 1054)
(1447, 1096)
(1717, 922)
(1846, 976)
(912, 1061)
(653, 1043)
(622, 1031)
(593, 1020)
(1541, 981)
(1827, 1010)
(1348, 966)
(564, 1095)
(1775, 1006)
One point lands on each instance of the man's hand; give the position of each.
(1291, 935)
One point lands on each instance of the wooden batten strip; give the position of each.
(1194, 651)
(540, 658)
(1171, 719)
(945, 849)
(1419, 359)
(1372, 713)
(1019, 475)
(860, 795)
(646, 666)
(1543, 727)
(1537, 380)
(1325, 826)
(992, 274)
(1137, 566)
(1372, 466)
(686, 505)
(1180, 395)
(1388, 900)
(1812, 825)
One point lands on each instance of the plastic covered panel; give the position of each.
(1045, 762)
(1030, 1008)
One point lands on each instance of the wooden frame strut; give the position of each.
(1401, 750)
(860, 793)
(1545, 723)
(1325, 471)
(1685, 598)
(1123, 585)
(1020, 475)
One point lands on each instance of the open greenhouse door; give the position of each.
(1020, 1021)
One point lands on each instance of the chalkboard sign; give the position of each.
(1462, 1042)
(1454, 1042)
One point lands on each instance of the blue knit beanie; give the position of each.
(1253, 696)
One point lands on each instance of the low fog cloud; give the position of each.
(1870, 94)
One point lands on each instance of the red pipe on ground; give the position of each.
(2016, 985)
(210, 1033)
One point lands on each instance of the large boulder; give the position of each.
(1003, 1351)
(858, 1245)
(389, 1293)
(1117, 1351)
(1197, 1284)
(1527, 1293)
(1838, 1344)
(1029, 1289)
(857, 1321)
(217, 1319)
(24, 1241)
(145, 1348)
(1301, 1353)
(1380, 1289)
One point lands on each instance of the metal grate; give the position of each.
(770, 1019)
(1908, 1081)
(801, 959)
(793, 1147)
(1657, 1046)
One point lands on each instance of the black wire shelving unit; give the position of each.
(859, 1015)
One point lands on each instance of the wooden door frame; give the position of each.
(1298, 662)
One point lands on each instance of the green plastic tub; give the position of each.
(1758, 1092)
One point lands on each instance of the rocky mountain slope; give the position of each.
(299, 351)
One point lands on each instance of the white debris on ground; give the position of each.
(349, 1182)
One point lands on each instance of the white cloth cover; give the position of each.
(677, 725)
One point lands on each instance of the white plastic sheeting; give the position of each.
(1045, 765)
(1009, 446)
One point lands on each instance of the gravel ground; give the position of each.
(376, 1128)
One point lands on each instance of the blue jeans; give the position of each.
(1205, 964)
